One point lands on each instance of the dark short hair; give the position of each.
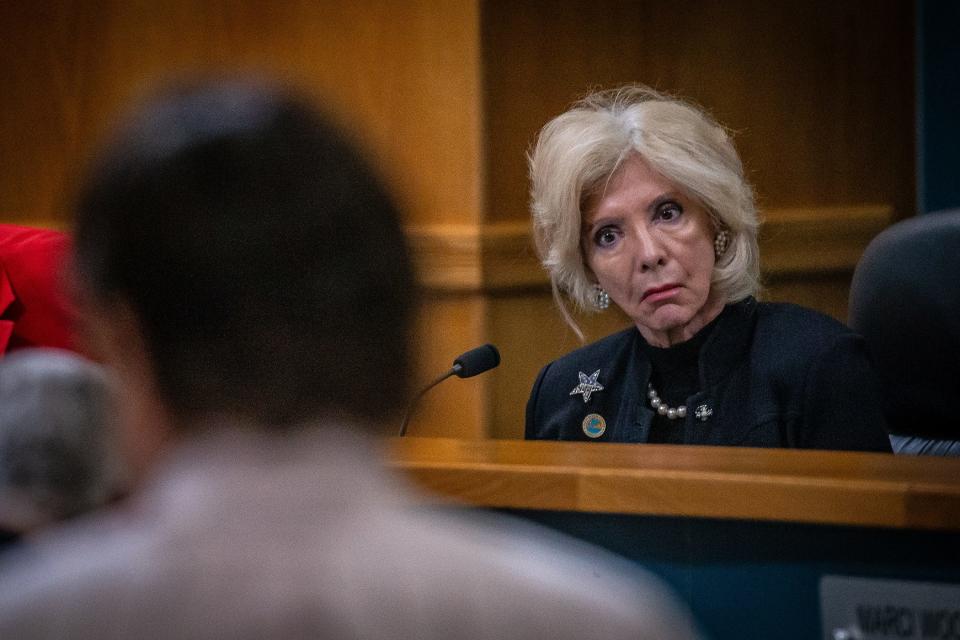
(260, 252)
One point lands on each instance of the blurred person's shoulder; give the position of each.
(80, 566)
(347, 551)
(507, 577)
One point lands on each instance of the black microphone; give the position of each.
(475, 361)
(466, 365)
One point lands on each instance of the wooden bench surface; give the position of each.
(825, 487)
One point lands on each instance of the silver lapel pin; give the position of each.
(588, 384)
(703, 412)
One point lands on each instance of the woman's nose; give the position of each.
(649, 250)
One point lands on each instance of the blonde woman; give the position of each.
(639, 200)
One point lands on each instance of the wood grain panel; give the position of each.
(839, 488)
(448, 325)
(464, 258)
(817, 240)
(799, 241)
(476, 257)
(404, 74)
(819, 94)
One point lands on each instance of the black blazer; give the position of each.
(771, 375)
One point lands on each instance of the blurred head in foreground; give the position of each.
(58, 455)
(237, 256)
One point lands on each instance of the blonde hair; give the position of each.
(580, 149)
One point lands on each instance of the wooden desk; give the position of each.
(744, 536)
(823, 487)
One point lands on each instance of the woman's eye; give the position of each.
(669, 211)
(605, 237)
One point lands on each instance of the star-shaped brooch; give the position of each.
(588, 384)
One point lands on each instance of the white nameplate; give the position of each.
(875, 609)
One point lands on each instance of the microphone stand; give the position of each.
(413, 403)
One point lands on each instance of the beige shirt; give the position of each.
(246, 535)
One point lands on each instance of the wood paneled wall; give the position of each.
(449, 94)
(819, 94)
(404, 74)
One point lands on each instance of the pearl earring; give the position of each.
(601, 299)
(720, 243)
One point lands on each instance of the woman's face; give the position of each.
(650, 246)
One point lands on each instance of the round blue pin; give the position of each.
(594, 425)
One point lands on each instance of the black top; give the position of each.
(675, 377)
(770, 375)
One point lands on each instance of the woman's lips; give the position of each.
(656, 294)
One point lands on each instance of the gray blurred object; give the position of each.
(905, 300)
(58, 454)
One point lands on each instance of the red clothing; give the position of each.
(35, 310)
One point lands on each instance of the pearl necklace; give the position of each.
(661, 407)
